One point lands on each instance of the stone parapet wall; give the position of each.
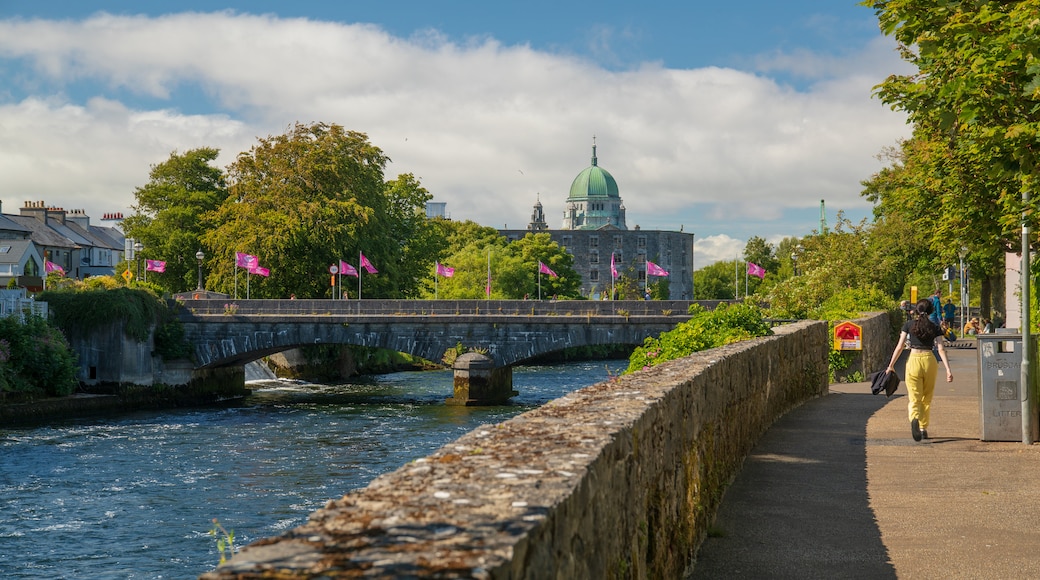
(617, 480)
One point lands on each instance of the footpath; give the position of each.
(837, 488)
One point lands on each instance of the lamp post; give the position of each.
(963, 276)
(199, 256)
(138, 246)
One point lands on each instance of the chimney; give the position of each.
(37, 210)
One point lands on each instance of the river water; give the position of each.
(134, 495)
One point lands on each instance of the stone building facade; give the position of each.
(594, 228)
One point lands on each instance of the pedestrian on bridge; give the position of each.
(921, 367)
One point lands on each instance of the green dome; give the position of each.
(594, 182)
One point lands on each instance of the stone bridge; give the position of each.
(232, 333)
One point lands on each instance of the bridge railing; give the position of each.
(445, 307)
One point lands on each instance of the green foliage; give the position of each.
(715, 281)
(35, 359)
(315, 195)
(514, 266)
(706, 329)
(81, 310)
(225, 540)
(79, 313)
(171, 212)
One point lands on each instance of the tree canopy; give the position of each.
(173, 210)
(305, 200)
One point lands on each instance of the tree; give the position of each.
(173, 210)
(975, 105)
(715, 281)
(307, 199)
(514, 265)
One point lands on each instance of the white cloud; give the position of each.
(718, 248)
(485, 127)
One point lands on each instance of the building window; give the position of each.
(640, 258)
(594, 275)
(593, 241)
(617, 242)
(566, 241)
(641, 242)
(594, 258)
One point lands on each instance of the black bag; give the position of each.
(884, 381)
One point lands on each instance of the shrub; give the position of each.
(36, 359)
(707, 329)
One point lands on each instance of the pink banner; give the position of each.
(653, 269)
(346, 269)
(756, 270)
(545, 270)
(445, 271)
(260, 271)
(613, 270)
(155, 266)
(52, 267)
(247, 261)
(364, 263)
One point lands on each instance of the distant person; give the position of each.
(936, 315)
(646, 295)
(949, 312)
(921, 367)
(972, 328)
(616, 293)
(292, 297)
(987, 326)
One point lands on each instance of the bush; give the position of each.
(707, 329)
(35, 359)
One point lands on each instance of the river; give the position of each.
(134, 495)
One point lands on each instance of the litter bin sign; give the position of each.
(1000, 377)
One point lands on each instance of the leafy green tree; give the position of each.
(975, 105)
(172, 211)
(715, 281)
(514, 266)
(315, 195)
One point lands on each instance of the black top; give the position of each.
(928, 341)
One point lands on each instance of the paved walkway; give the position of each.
(838, 489)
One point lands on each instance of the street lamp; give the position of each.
(138, 246)
(794, 258)
(199, 256)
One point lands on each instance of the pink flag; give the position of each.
(364, 263)
(155, 266)
(346, 269)
(260, 271)
(756, 270)
(50, 266)
(545, 270)
(445, 271)
(613, 269)
(247, 261)
(653, 269)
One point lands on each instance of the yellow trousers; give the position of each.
(921, 370)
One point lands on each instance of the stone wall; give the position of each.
(617, 480)
(878, 342)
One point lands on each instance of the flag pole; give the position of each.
(435, 281)
(612, 268)
(236, 279)
(487, 289)
(359, 269)
(745, 279)
(539, 281)
(736, 278)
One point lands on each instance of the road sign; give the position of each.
(127, 275)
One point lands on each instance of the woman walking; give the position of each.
(921, 367)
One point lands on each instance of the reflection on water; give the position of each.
(133, 496)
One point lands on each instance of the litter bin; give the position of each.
(1000, 377)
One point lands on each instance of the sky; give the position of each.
(725, 119)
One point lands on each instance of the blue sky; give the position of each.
(725, 119)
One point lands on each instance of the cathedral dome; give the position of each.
(593, 182)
